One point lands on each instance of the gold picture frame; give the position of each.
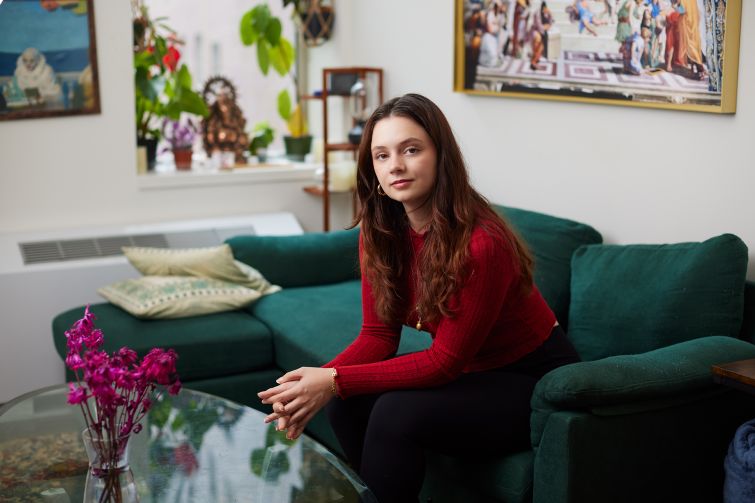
(520, 49)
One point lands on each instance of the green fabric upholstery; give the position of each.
(552, 241)
(634, 298)
(301, 260)
(312, 325)
(661, 455)
(208, 346)
(479, 479)
(630, 384)
(747, 332)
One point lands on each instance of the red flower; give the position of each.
(171, 58)
(185, 458)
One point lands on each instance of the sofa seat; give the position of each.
(311, 325)
(208, 346)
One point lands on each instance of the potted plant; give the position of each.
(261, 28)
(262, 136)
(163, 87)
(180, 136)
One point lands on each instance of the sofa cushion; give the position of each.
(208, 346)
(302, 260)
(635, 298)
(312, 325)
(176, 296)
(215, 262)
(552, 241)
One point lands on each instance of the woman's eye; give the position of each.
(380, 156)
(411, 150)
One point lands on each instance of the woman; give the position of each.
(436, 257)
(541, 23)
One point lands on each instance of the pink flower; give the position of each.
(128, 355)
(74, 361)
(121, 385)
(160, 366)
(175, 387)
(94, 339)
(76, 394)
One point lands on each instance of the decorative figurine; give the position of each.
(223, 128)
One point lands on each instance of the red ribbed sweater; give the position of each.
(492, 326)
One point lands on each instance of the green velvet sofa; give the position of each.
(640, 419)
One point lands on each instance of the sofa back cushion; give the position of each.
(635, 298)
(315, 258)
(552, 241)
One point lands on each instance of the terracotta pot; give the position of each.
(182, 157)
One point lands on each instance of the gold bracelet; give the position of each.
(333, 375)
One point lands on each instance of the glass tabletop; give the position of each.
(194, 447)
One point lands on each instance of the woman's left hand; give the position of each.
(300, 394)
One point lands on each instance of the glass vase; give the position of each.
(109, 478)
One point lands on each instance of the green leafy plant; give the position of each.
(262, 136)
(163, 86)
(260, 28)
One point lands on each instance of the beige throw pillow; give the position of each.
(215, 262)
(177, 296)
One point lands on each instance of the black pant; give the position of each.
(385, 435)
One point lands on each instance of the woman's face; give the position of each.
(405, 160)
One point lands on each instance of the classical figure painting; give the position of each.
(673, 54)
(48, 59)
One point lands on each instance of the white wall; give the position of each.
(81, 171)
(636, 175)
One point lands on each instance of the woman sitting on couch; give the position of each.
(434, 256)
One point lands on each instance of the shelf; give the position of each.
(317, 190)
(331, 147)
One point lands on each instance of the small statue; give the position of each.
(223, 128)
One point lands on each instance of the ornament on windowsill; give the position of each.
(316, 20)
(223, 128)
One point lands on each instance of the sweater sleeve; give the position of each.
(457, 339)
(376, 341)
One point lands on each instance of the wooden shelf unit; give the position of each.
(327, 73)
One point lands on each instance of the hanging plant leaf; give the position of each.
(248, 34)
(273, 31)
(260, 18)
(263, 55)
(284, 105)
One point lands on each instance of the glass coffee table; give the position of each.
(194, 447)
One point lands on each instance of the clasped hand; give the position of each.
(299, 395)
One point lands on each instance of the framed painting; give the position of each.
(671, 54)
(48, 59)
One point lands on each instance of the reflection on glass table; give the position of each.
(194, 447)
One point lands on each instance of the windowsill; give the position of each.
(165, 176)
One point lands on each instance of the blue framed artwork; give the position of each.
(670, 54)
(48, 59)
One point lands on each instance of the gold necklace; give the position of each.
(418, 326)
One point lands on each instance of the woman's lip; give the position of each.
(399, 183)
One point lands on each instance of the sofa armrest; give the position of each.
(633, 383)
(314, 258)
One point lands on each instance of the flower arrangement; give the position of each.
(114, 391)
(179, 135)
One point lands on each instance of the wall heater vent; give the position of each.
(39, 252)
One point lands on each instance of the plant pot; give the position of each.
(182, 157)
(151, 145)
(297, 147)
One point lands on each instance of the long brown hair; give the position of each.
(456, 209)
